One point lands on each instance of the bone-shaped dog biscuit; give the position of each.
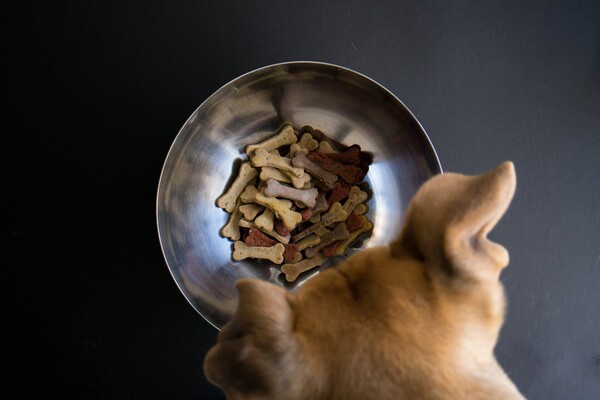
(339, 233)
(349, 173)
(281, 208)
(290, 255)
(306, 196)
(292, 271)
(326, 147)
(355, 197)
(262, 158)
(325, 177)
(321, 206)
(265, 220)
(244, 223)
(297, 148)
(360, 209)
(307, 142)
(231, 230)
(343, 245)
(297, 258)
(350, 156)
(228, 200)
(322, 231)
(248, 194)
(280, 227)
(335, 214)
(306, 214)
(251, 210)
(285, 137)
(242, 251)
(299, 183)
(309, 241)
(267, 173)
(256, 238)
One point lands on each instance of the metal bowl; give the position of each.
(347, 106)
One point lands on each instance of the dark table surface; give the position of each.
(96, 91)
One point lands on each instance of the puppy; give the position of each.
(417, 319)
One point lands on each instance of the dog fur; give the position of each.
(417, 319)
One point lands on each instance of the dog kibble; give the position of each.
(349, 173)
(281, 209)
(306, 196)
(360, 209)
(257, 238)
(250, 211)
(241, 251)
(350, 156)
(265, 220)
(339, 233)
(296, 201)
(292, 271)
(307, 142)
(325, 177)
(228, 200)
(263, 159)
(286, 136)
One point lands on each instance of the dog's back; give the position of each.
(417, 319)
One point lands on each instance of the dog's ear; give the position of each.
(447, 223)
(244, 360)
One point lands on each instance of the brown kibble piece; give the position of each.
(340, 191)
(344, 244)
(291, 250)
(306, 213)
(339, 233)
(249, 224)
(257, 238)
(322, 204)
(322, 175)
(280, 227)
(350, 156)
(336, 213)
(349, 173)
(330, 250)
(353, 222)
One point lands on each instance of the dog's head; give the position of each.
(417, 319)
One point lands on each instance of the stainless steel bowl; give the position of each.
(347, 106)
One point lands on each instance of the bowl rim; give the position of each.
(219, 90)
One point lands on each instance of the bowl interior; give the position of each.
(207, 152)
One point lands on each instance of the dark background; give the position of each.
(96, 91)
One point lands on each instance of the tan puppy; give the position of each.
(417, 319)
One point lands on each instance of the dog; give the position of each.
(416, 319)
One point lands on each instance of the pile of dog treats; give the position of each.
(297, 201)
